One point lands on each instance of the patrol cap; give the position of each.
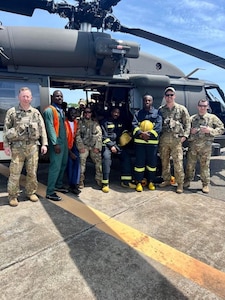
(170, 88)
(82, 102)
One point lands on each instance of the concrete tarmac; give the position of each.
(122, 245)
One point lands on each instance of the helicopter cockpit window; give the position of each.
(214, 97)
(216, 102)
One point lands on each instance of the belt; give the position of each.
(30, 142)
(20, 143)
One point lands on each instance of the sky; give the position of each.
(200, 24)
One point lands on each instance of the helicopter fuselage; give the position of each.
(115, 69)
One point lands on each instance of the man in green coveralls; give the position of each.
(54, 117)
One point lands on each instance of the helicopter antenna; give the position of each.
(195, 70)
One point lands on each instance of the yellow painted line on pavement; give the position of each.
(204, 275)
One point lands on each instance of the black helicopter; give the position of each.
(84, 56)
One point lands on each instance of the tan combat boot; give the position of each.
(186, 184)
(33, 198)
(179, 188)
(164, 184)
(205, 188)
(13, 201)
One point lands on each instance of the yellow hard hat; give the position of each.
(125, 138)
(146, 125)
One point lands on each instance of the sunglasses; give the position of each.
(87, 112)
(203, 105)
(169, 95)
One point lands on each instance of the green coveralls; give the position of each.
(58, 161)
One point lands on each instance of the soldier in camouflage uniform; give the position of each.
(175, 130)
(23, 127)
(204, 127)
(89, 142)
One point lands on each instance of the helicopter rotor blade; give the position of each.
(203, 55)
(25, 7)
(86, 12)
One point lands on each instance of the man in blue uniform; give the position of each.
(146, 143)
(112, 129)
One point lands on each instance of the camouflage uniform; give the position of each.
(200, 145)
(22, 131)
(88, 137)
(176, 124)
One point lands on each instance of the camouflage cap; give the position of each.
(82, 102)
(170, 88)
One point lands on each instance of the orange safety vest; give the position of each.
(55, 119)
(70, 136)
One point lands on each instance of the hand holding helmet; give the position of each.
(146, 126)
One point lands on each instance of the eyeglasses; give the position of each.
(202, 105)
(87, 112)
(169, 95)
